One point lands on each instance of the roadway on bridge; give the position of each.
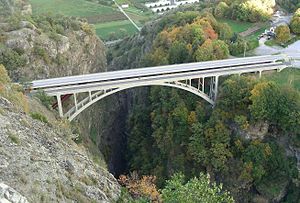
(155, 71)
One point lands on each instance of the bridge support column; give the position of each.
(60, 108)
(90, 95)
(260, 74)
(75, 101)
(216, 87)
(213, 89)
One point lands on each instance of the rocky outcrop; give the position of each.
(53, 55)
(258, 130)
(9, 195)
(44, 165)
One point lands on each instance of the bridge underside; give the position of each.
(205, 88)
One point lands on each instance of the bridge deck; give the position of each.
(154, 71)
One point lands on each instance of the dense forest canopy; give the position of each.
(250, 10)
(239, 142)
(289, 5)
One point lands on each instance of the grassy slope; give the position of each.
(80, 8)
(237, 26)
(94, 11)
(289, 76)
(104, 29)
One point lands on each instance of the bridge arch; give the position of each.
(93, 98)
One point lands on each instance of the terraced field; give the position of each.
(108, 20)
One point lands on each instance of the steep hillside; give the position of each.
(40, 160)
(249, 141)
(33, 47)
(39, 157)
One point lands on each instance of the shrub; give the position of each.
(38, 116)
(40, 51)
(13, 138)
(87, 28)
(4, 78)
(283, 34)
(12, 92)
(46, 100)
(11, 59)
(195, 190)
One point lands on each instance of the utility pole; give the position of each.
(245, 45)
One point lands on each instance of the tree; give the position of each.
(178, 53)
(212, 50)
(221, 10)
(141, 188)
(209, 145)
(200, 189)
(221, 50)
(205, 51)
(225, 31)
(234, 95)
(283, 34)
(295, 23)
(279, 106)
(290, 5)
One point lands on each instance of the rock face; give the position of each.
(46, 56)
(44, 165)
(9, 195)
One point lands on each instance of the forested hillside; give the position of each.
(164, 144)
(249, 141)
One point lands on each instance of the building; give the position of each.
(165, 5)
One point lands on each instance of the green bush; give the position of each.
(46, 100)
(87, 28)
(38, 116)
(4, 78)
(13, 138)
(40, 51)
(11, 59)
(195, 190)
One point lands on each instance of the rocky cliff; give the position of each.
(35, 47)
(38, 161)
(44, 164)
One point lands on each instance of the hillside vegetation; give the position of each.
(34, 46)
(42, 159)
(249, 141)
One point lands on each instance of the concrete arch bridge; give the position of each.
(199, 78)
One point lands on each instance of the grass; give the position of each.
(14, 138)
(274, 43)
(106, 19)
(237, 26)
(80, 8)
(258, 32)
(289, 76)
(38, 116)
(105, 29)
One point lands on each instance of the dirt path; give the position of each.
(252, 29)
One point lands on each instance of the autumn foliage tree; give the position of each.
(141, 187)
(195, 41)
(283, 34)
